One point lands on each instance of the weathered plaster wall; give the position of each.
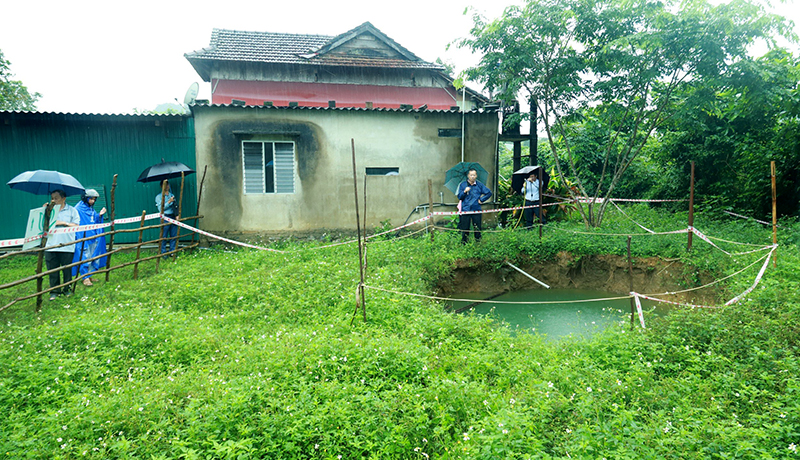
(323, 198)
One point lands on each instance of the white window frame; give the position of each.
(283, 169)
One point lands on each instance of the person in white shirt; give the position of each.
(531, 190)
(66, 216)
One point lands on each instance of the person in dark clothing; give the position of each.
(472, 194)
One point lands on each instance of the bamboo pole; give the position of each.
(139, 247)
(199, 196)
(774, 212)
(366, 262)
(430, 208)
(630, 279)
(691, 209)
(112, 209)
(45, 227)
(161, 240)
(541, 211)
(177, 237)
(360, 289)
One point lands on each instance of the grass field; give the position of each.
(243, 354)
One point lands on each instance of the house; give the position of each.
(287, 111)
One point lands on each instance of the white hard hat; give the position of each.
(91, 193)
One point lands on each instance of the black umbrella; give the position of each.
(41, 182)
(518, 178)
(164, 170)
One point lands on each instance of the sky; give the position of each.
(87, 56)
(111, 57)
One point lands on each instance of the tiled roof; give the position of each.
(270, 47)
(235, 45)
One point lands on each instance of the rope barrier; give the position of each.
(713, 282)
(211, 235)
(631, 219)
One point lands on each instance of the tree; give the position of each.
(746, 118)
(13, 94)
(621, 63)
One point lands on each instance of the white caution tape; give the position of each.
(684, 304)
(758, 278)
(638, 308)
(211, 235)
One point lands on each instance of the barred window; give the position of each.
(268, 167)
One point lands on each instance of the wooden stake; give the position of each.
(139, 248)
(774, 212)
(199, 196)
(630, 279)
(112, 208)
(42, 244)
(360, 248)
(177, 237)
(430, 207)
(541, 211)
(161, 240)
(365, 226)
(691, 209)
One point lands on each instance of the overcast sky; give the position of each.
(87, 56)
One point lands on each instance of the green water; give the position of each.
(554, 320)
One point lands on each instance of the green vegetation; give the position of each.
(628, 93)
(230, 354)
(13, 94)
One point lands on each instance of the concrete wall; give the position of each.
(323, 198)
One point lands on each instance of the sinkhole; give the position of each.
(564, 309)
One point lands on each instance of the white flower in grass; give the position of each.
(466, 437)
(793, 447)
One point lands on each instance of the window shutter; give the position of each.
(284, 167)
(253, 159)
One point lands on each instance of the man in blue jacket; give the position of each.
(472, 194)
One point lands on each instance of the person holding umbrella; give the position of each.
(170, 210)
(531, 190)
(472, 194)
(91, 248)
(66, 216)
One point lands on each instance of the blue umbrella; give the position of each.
(458, 174)
(41, 182)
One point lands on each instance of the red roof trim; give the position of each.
(318, 94)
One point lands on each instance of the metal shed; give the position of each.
(92, 148)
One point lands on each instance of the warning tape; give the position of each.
(684, 304)
(79, 228)
(758, 279)
(631, 219)
(638, 308)
(750, 218)
(211, 235)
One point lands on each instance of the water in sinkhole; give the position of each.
(561, 318)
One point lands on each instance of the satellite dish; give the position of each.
(191, 94)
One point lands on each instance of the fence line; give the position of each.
(76, 279)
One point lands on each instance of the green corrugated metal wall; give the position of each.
(93, 148)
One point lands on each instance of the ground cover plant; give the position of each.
(242, 354)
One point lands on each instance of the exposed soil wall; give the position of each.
(603, 272)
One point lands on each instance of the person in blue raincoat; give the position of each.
(472, 194)
(91, 248)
